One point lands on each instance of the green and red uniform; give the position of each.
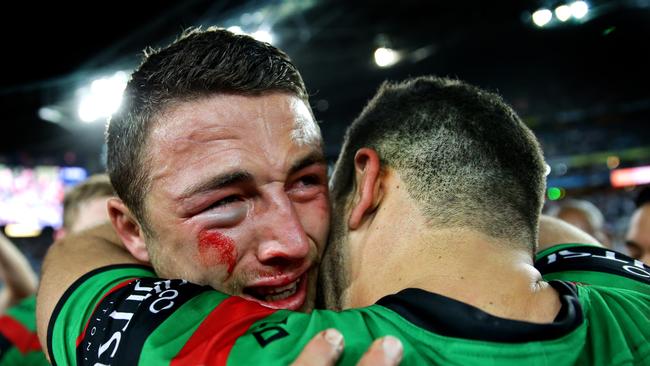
(18, 341)
(123, 315)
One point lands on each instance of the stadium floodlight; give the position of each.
(386, 57)
(50, 114)
(102, 98)
(236, 29)
(263, 36)
(563, 13)
(579, 9)
(541, 17)
(630, 176)
(22, 230)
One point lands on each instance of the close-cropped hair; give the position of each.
(200, 63)
(465, 156)
(96, 186)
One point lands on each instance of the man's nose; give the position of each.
(283, 238)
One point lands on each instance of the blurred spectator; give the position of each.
(83, 207)
(90, 198)
(584, 215)
(16, 274)
(638, 233)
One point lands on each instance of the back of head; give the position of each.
(198, 64)
(465, 156)
(97, 186)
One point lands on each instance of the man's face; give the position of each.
(638, 234)
(238, 197)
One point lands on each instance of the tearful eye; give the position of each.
(225, 201)
(309, 180)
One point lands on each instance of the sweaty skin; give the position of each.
(216, 248)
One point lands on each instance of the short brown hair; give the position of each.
(96, 186)
(199, 63)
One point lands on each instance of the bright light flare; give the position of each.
(22, 230)
(103, 97)
(50, 114)
(630, 176)
(542, 16)
(563, 13)
(263, 36)
(386, 57)
(236, 29)
(579, 9)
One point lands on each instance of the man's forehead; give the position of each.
(226, 116)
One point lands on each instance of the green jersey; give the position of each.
(124, 315)
(593, 265)
(18, 341)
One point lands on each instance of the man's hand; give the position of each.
(327, 346)
(16, 272)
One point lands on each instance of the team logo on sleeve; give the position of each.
(597, 259)
(122, 321)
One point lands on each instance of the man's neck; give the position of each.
(467, 266)
(495, 277)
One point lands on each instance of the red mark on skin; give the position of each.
(216, 248)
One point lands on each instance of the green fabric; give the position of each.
(165, 343)
(361, 326)
(14, 357)
(619, 322)
(25, 313)
(591, 277)
(80, 304)
(557, 248)
(615, 331)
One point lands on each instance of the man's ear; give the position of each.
(127, 229)
(368, 194)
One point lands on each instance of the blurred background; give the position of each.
(577, 72)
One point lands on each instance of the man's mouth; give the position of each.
(286, 296)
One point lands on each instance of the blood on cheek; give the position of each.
(216, 248)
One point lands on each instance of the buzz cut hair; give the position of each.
(466, 157)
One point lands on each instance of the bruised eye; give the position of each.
(225, 202)
(228, 211)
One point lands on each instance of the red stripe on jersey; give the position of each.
(117, 287)
(212, 341)
(21, 337)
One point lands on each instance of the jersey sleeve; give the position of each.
(122, 315)
(18, 340)
(73, 311)
(593, 265)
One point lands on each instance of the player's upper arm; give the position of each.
(554, 231)
(69, 259)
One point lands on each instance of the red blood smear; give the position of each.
(217, 248)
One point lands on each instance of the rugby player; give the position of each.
(418, 239)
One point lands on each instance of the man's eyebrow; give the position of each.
(315, 157)
(217, 182)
